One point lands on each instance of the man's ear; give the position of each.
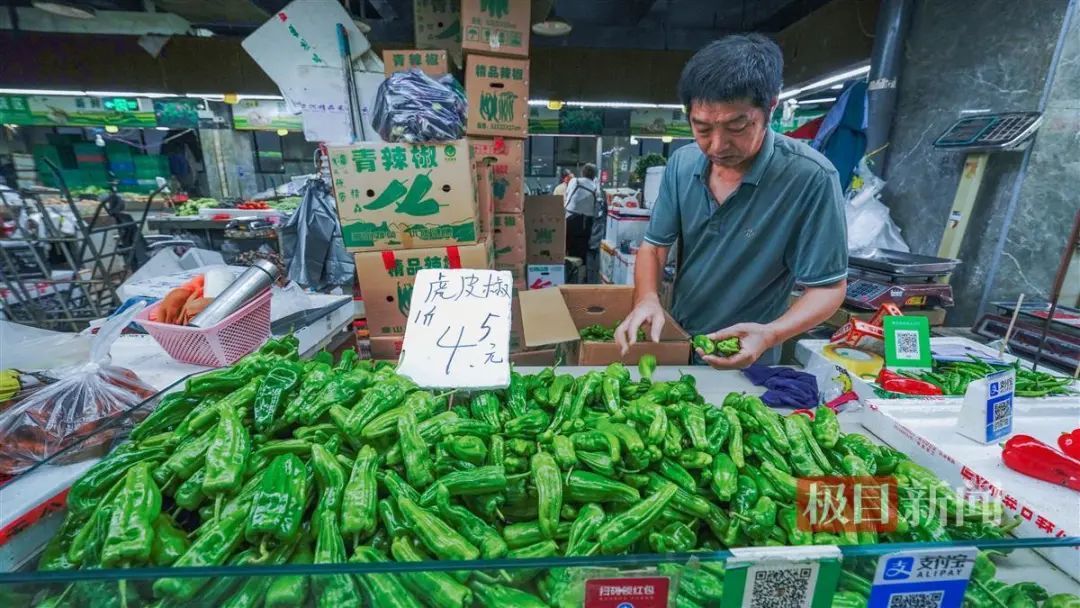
(772, 105)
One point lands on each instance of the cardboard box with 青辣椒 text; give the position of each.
(509, 238)
(484, 198)
(545, 230)
(556, 316)
(404, 196)
(498, 93)
(386, 279)
(429, 61)
(507, 160)
(437, 25)
(498, 27)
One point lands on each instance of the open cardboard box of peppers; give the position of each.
(276, 460)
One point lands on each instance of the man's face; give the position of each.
(729, 133)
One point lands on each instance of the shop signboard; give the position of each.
(437, 25)
(430, 61)
(498, 95)
(264, 115)
(581, 121)
(458, 332)
(658, 122)
(386, 280)
(499, 27)
(392, 196)
(182, 113)
(543, 121)
(73, 111)
(507, 160)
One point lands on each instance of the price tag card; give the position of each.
(925, 577)
(987, 412)
(627, 592)
(458, 332)
(793, 577)
(907, 343)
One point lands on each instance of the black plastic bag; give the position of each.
(312, 245)
(412, 107)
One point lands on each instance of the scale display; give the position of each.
(990, 131)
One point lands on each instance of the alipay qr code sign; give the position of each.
(458, 332)
(928, 578)
(987, 412)
(781, 577)
(907, 343)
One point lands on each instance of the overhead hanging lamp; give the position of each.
(553, 25)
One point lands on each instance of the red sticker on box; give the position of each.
(637, 592)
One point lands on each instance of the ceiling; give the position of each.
(640, 24)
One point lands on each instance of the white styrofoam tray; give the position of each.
(926, 432)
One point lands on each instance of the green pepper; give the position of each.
(802, 459)
(703, 343)
(439, 538)
(646, 366)
(735, 441)
(469, 448)
(695, 459)
(548, 481)
(761, 447)
(597, 462)
(598, 441)
(226, 456)
(826, 427)
(558, 387)
(725, 477)
(677, 474)
(528, 424)
(169, 542)
(278, 504)
(291, 590)
(212, 547)
(419, 468)
(314, 381)
(583, 531)
(331, 477)
(172, 409)
(481, 480)
(628, 437)
(188, 457)
(787, 517)
(358, 502)
(610, 390)
(332, 590)
(485, 406)
(623, 530)
(562, 448)
(252, 591)
(279, 382)
(582, 486)
(862, 448)
(475, 530)
(762, 518)
(130, 535)
(436, 588)
(806, 433)
(770, 423)
(499, 596)
(380, 398)
(1062, 600)
(341, 390)
(675, 537)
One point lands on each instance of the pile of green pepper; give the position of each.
(602, 333)
(953, 378)
(276, 461)
(721, 348)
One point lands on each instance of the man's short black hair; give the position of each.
(733, 68)
(589, 171)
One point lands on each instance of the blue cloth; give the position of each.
(787, 387)
(783, 224)
(842, 136)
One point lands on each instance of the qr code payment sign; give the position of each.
(907, 344)
(780, 586)
(917, 599)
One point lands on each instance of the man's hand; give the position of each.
(754, 339)
(648, 311)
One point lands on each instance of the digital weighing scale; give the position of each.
(978, 136)
(904, 279)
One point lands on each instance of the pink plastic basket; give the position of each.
(223, 344)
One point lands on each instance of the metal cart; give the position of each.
(60, 263)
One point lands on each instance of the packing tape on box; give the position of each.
(861, 363)
(453, 257)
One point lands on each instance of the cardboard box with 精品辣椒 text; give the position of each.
(507, 160)
(404, 196)
(496, 27)
(429, 61)
(386, 278)
(556, 316)
(498, 93)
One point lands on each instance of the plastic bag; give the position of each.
(869, 225)
(311, 242)
(412, 107)
(81, 405)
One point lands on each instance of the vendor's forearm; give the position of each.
(808, 311)
(648, 267)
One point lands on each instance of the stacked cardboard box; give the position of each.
(545, 241)
(496, 38)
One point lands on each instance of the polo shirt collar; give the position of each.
(757, 170)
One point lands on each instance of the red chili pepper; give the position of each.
(895, 383)
(1029, 456)
(808, 413)
(1070, 443)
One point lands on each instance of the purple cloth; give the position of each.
(787, 387)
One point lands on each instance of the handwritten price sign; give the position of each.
(458, 333)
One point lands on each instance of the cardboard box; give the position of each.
(542, 276)
(386, 279)
(386, 348)
(556, 316)
(623, 271)
(607, 262)
(364, 175)
(428, 61)
(507, 160)
(518, 273)
(626, 227)
(499, 27)
(484, 199)
(538, 358)
(498, 94)
(437, 25)
(509, 238)
(545, 230)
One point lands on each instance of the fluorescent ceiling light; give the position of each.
(818, 100)
(610, 104)
(40, 92)
(71, 10)
(824, 82)
(127, 94)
